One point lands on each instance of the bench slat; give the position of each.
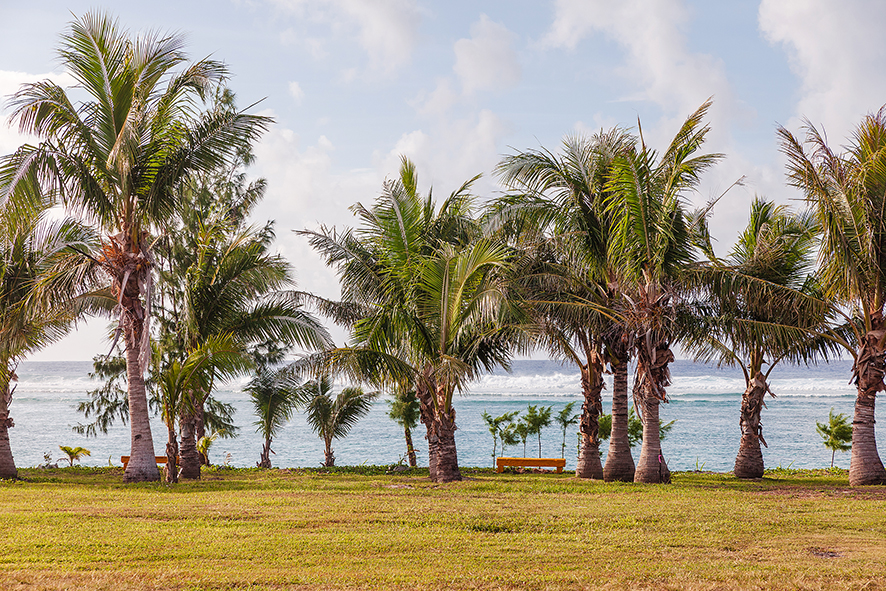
(558, 463)
(159, 459)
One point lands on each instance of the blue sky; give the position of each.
(353, 84)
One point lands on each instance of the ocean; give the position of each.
(704, 401)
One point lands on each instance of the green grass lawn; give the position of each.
(250, 529)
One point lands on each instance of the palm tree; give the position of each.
(74, 453)
(274, 397)
(566, 419)
(537, 419)
(39, 265)
(430, 298)
(762, 306)
(405, 411)
(847, 193)
(182, 382)
(651, 250)
(496, 426)
(836, 433)
(556, 210)
(116, 157)
(333, 418)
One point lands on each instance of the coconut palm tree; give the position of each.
(556, 212)
(847, 193)
(836, 433)
(431, 301)
(183, 382)
(234, 286)
(274, 397)
(114, 152)
(651, 249)
(405, 411)
(333, 418)
(39, 267)
(764, 305)
(496, 426)
(74, 453)
(566, 419)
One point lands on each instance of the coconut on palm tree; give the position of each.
(651, 249)
(332, 418)
(847, 193)
(556, 215)
(115, 151)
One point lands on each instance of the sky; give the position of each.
(353, 85)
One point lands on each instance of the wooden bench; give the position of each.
(160, 460)
(558, 463)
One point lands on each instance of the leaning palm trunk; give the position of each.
(619, 462)
(7, 463)
(865, 466)
(410, 450)
(653, 376)
(171, 457)
(189, 454)
(589, 465)
(749, 462)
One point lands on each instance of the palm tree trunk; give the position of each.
(190, 456)
(619, 462)
(447, 457)
(7, 463)
(200, 433)
(410, 450)
(653, 376)
(142, 465)
(589, 465)
(265, 461)
(865, 466)
(171, 457)
(651, 467)
(426, 413)
(330, 457)
(749, 462)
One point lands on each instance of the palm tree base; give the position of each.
(749, 462)
(865, 467)
(445, 456)
(589, 465)
(7, 463)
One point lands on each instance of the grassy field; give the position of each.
(249, 529)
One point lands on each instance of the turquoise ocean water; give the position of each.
(704, 401)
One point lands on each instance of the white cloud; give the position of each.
(660, 68)
(836, 49)
(657, 59)
(454, 151)
(387, 30)
(437, 102)
(488, 60)
(296, 92)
